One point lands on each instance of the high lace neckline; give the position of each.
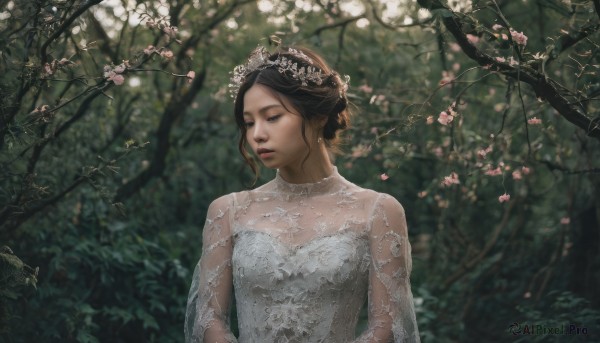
(322, 186)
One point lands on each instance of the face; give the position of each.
(274, 133)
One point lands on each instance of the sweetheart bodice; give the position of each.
(314, 290)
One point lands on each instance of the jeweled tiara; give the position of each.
(259, 60)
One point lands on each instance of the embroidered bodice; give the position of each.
(302, 259)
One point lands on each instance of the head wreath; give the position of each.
(260, 59)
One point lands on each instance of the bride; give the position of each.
(305, 251)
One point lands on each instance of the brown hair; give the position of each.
(311, 102)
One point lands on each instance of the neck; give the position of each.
(316, 167)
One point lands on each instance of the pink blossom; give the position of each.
(167, 54)
(429, 120)
(504, 197)
(384, 177)
(516, 175)
(377, 99)
(447, 77)
(422, 194)
(107, 70)
(150, 23)
(149, 50)
(48, 69)
(454, 47)
(118, 79)
(451, 179)
(191, 75)
(504, 36)
(497, 27)
(483, 152)
(366, 89)
(119, 69)
(565, 220)
(534, 121)
(493, 172)
(519, 37)
(171, 31)
(445, 118)
(360, 151)
(472, 38)
(500, 59)
(526, 170)
(40, 109)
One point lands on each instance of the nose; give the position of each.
(259, 132)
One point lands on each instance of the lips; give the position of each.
(264, 153)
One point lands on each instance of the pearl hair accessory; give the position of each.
(259, 60)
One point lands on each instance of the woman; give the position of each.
(306, 250)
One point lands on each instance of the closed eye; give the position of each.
(274, 118)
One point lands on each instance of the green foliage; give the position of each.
(105, 186)
(104, 282)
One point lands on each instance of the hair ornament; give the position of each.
(344, 87)
(259, 60)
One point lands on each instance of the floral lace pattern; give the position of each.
(302, 260)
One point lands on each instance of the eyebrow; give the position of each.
(264, 109)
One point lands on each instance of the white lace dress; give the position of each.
(302, 259)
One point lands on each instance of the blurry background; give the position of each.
(111, 151)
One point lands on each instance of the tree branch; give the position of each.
(566, 41)
(78, 12)
(466, 267)
(543, 87)
(172, 112)
(342, 23)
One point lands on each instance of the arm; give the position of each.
(391, 310)
(207, 313)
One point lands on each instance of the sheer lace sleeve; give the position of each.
(391, 310)
(208, 306)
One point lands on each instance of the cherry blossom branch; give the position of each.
(524, 115)
(14, 214)
(543, 87)
(174, 109)
(65, 25)
(567, 40)
(507, 96)
(81, 110)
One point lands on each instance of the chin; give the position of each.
(270, 164)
